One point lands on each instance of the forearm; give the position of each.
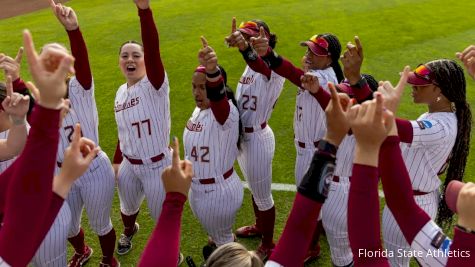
(19, 86)
(295, 240)
(219, 104)
(29, 190)
(151, 45)
(323, 97)
(363, 92)
(464, 243)
(163, 246)
(284, 68)
(255, 62)
(398, 190)
(16, 139)
(81, 63)
(363, 202)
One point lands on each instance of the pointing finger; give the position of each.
(19, 55)
(403, 80)
(31, 55)
(52, 4)
(262, 32)
(176, 154)
(233, 27)
(76, 137)
(359, 46)
(204, 41)
(9, 85)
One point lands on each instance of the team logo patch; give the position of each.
(424, 124)
(440, 241)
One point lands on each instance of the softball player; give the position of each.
(256, 95)
(210, 142)
(429, 245)
(95, 189)
(321, 60)
(436, 141)
(142, 113)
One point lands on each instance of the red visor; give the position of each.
(318, 45)
(250, 28)
(421, 76)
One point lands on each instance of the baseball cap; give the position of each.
(421, 76)
(249, 27)
(451, 194)
(318, 45)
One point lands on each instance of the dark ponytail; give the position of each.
(334, 47)
(230, 95)
(451, 79)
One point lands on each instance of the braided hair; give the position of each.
(334, 47)
(272, 36)
(450, 77)
(230, 95)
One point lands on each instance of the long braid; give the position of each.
(334, 47)
(450, 77)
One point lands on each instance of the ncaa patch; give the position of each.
(424, 124)
(440, 241)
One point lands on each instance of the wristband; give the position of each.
(316, 182)
(360, 84)
(213, 75)
(325, 147)
(273, 59)
(249, 54)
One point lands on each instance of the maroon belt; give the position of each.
(419, 193)
(302, 144)
(251, 129)
(226, 175)
(336, 179)
(156, 158)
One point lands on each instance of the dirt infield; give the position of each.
(12, 8)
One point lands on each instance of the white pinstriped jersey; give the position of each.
(210, 146)
(4, 263)
(4, 164)
(256, 96)
(84, 111)
(433, 139)
(142, 114)
(309, 117)
(344, 157)
(431, 246)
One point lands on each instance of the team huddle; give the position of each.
(347, 135)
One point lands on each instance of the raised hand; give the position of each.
(310, 82)
(177, 177)
(65, 15)
(77, 158)
(207, 57)
(468, 59)
(49, 81)
(260, 43)
(370, 123)
(236, 39)
(142, 4)
(11, 66)
(352, 60)
(392, 95)
(465, 207)
(15, 104)
(336, 114)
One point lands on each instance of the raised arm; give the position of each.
(468, 59)
(11, 67)
(215, 87)
(29, 194)
(312, 191)
(153, 61)
(67, 17)
(164, 245)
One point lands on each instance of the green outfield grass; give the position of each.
(394, 33)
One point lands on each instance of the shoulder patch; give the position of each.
(423, 124)
(439, 240)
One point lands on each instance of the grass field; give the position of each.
(394, 33)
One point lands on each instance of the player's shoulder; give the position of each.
(75, 87)
(145, 83)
